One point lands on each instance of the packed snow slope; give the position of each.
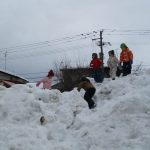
(121, 120)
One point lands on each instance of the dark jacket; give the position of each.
(85, 85)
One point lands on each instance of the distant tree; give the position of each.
(58, 65)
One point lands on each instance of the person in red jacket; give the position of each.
(96, 64)
(126, 57)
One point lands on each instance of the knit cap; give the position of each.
(123, 45)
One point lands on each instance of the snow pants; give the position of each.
(88, 97)
(127, 66)
(112, 72)
(97, 75)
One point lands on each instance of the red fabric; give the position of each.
(96, 63)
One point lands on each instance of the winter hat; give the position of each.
(112, 52)
(50, 73)
(123, 45)
(94, 55)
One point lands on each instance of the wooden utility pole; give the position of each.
(101, 46)
(101, 54)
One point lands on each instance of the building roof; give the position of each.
(14, 75)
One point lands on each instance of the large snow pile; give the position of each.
(121, 120)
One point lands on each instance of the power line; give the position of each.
(60, 49)
(126, 32)
(48, 43)
(44, 46)
(53, 51)
(64, 40)
(39, 46)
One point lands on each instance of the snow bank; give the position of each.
(120, 121)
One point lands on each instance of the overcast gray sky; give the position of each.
(24, 22)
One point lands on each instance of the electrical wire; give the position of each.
(48, 43)
(50, 52)
(38, 48)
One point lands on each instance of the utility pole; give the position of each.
(5, 59)
(101, 54)
(101, 46)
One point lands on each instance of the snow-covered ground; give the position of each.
(121, 120)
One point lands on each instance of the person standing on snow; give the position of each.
(126, 57)
(90, 91)
(112, 64)
(96, 64)
(47, 81)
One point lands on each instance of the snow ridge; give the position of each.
(121, 120)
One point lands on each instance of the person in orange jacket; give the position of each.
(95, 65)
(126, 57)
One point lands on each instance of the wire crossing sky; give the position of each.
(35, 34)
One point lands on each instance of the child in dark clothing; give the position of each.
(90, 91)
